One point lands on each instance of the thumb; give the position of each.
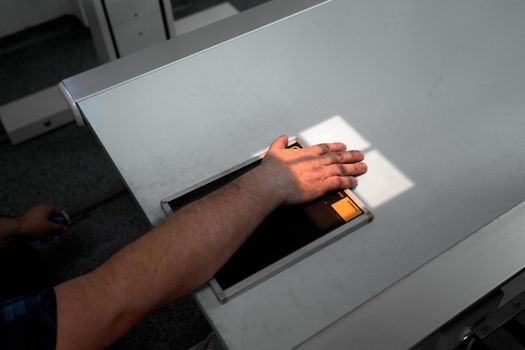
(280, 143)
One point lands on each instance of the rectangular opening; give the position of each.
(288, 234)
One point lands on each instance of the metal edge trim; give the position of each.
(291, 259)
(72, 104)
(261, 155)
(480, 237)
(224, 295)
(180, 59)
(360, 203)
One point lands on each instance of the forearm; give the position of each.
(169, 261)
(195, 242)
(10, 228)
(172, 258)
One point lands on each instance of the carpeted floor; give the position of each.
(69, 168)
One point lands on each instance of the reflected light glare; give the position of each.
(335, 129)
(382, 182)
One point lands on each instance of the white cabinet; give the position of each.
(143, 31)
(120, 11)
(122, 27)
(135, 24)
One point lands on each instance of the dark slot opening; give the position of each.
(284, 231)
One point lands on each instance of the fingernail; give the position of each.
(358, 154)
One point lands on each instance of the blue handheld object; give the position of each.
(62, 218)
(59, 219)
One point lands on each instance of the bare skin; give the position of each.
(193, 243)
(32, 225)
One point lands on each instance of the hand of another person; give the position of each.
(305, 174)
(36, 223)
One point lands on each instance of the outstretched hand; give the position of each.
(304, 174)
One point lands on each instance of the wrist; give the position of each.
(10, 229)
(262, 186)
(21, 229)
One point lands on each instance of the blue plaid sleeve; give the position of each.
(29, 322)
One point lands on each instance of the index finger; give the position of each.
(342, 157)
(324, 148)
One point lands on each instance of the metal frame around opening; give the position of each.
(224, 295)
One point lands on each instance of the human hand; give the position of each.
(36, 223)
(304, 174)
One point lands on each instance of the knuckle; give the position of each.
(332, 184)
(326, 159)
(358, 155)
(341, 182)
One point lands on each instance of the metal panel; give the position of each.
(226, 294)
(407, 312)
(127, 68)
(437, 88)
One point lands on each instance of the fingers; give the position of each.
(324, 148)
(352, 169)
(335, 183)
(47, 229)
(58, 228)
(343, 157)
(280, 143)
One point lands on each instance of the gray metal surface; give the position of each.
(437, 88)
(260, 276)
(114, 73)
(432, 295)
